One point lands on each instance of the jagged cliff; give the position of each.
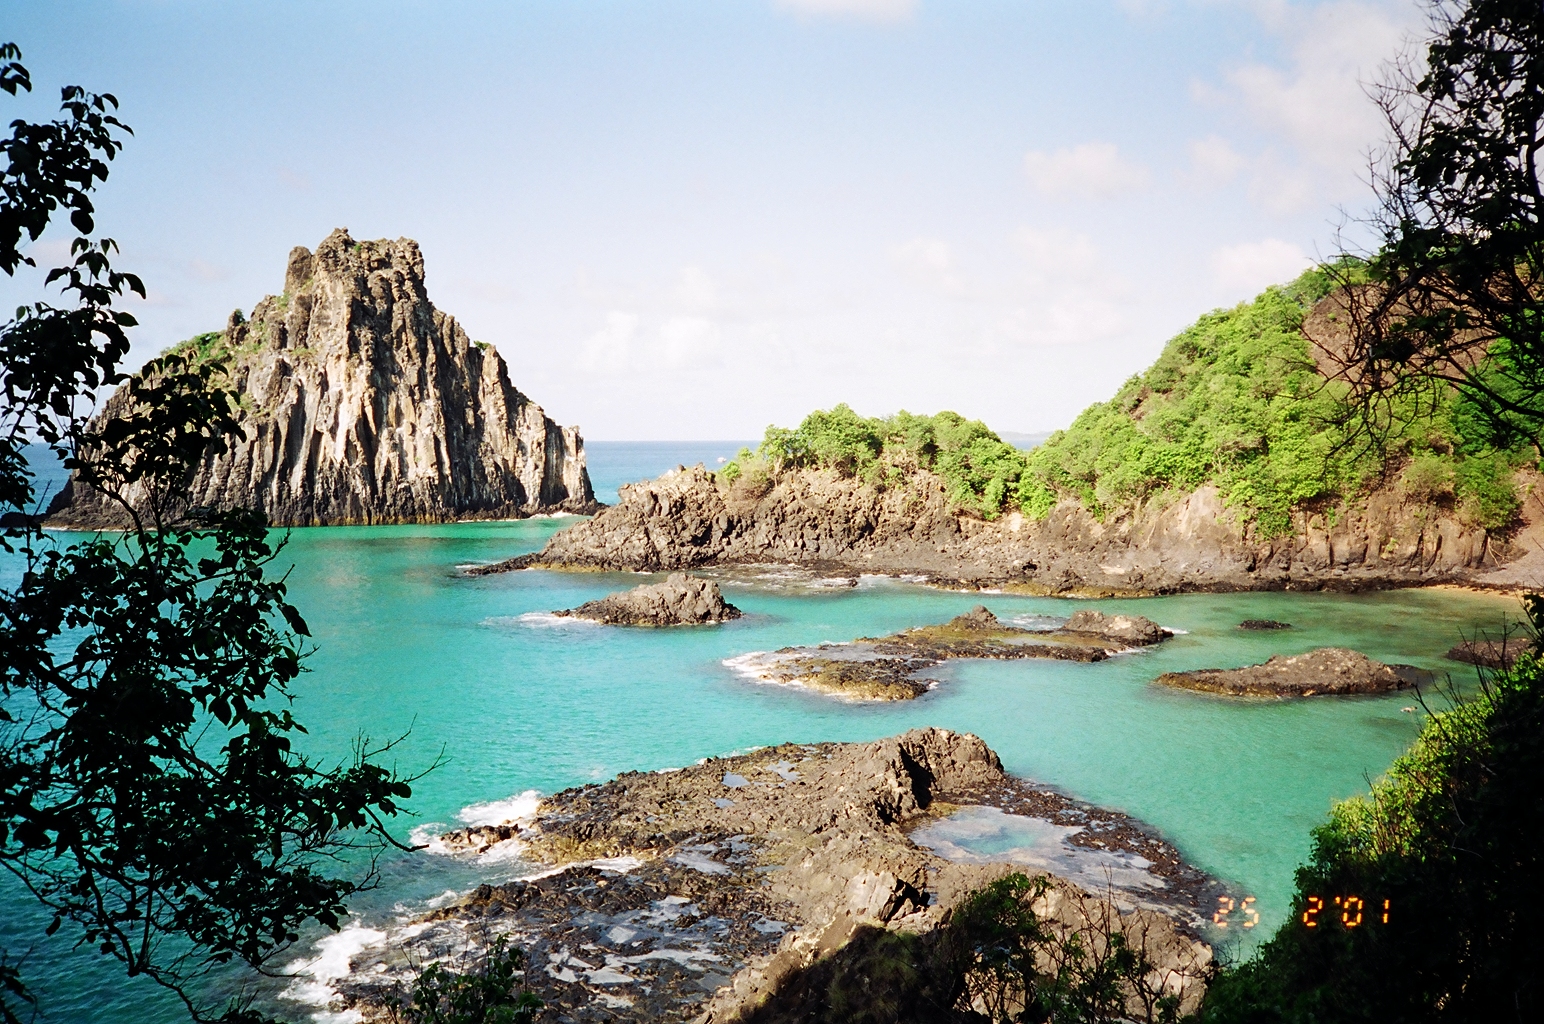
(689, 518)
(362, 403)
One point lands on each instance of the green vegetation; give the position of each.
(494, 992)
(995, 960)
(1449, 843)
(1235, 400)
(978, 467)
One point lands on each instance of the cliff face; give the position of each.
(687, 519)
(362, 403)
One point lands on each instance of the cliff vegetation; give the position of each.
(1236, 400)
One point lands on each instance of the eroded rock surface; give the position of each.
(708, 892)
(363, 403)
(681, 600)
(893, 667)
(687, 519)
(1326, 671)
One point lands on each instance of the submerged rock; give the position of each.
(681, 600)
(891, 667)
(1264, 624)
(363, 403)
(715, 891)
(1326, 671)
(1489, 653)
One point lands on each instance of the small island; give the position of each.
(681, 600)
(1326, 671)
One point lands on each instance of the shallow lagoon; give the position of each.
(516, 701)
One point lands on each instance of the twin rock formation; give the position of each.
(363, 403)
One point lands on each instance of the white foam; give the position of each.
(519, 807)
(540, 620)
(316, 975)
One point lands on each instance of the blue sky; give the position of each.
(691, 219)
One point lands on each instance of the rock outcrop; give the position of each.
(688, 518)
(1489, 653)
(721, 890)
(891, 667)
(363, 403)
(1326, 671)
(681, 600)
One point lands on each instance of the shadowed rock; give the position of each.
(1489, 653)
(1129, 629)
(1264, 624)
(1326, 671)
(681, 600)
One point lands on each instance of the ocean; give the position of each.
(472, 670)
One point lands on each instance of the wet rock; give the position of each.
(1264, 624)
(1130, 629)
(1492, 653)
(723, 901)
(1326, 671)
(681, 600)
(893, 667)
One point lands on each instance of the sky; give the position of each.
(688, 220)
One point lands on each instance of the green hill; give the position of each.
(1234, 400)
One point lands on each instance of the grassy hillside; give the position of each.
(1234, 400)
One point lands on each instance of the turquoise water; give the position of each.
(407, 645)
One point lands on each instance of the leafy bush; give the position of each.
(494, 992)
(980, 470)
(1451, 839)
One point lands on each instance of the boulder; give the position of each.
(1328, 670)
(1131, 629)
(681, 600)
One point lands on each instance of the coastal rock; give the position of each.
(363, 403)
(688, 518)
(1326, 671)
(723, 889)
(1262, 624)
(891, 667)
(1492, 653)
(1130, 629)
(681, 600)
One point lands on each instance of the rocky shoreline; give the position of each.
(891, 668)
(726, 890)
(689, 519)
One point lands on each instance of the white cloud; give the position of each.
(609, 350)
(1248, 267)
(1067, 295)
(929, 262)
(1093, 170)
(688, 339)
(1214, 161)
(1311, 105)
(696, 292)
(864, 10)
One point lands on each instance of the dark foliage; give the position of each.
(1452, 840)
(494, 992)
(150, 793)
(1454, 293)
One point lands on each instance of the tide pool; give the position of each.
(469, 668)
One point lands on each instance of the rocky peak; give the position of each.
(363, 403)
